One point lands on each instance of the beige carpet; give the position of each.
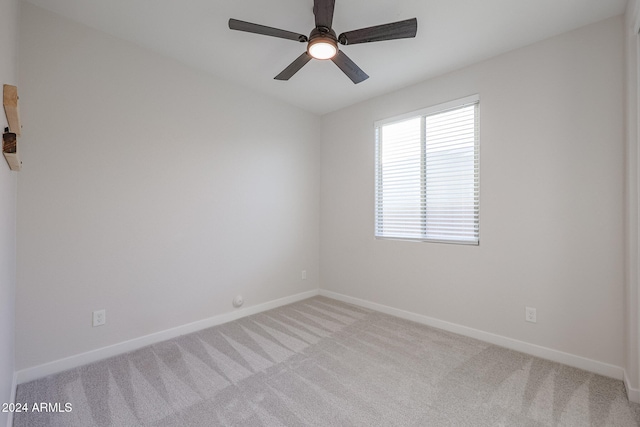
(320, 362)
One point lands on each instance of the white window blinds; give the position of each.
(427, 180)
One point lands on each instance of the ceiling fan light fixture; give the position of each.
(323, 43)
(322, 48)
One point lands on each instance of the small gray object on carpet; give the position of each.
(320, 362)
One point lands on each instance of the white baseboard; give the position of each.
(12, 398)
(40, 371)
(580, 362)
(632, 393)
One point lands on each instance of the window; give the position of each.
(427, 174)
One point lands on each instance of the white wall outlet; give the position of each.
(238, 301)
(304, 275)
(530, 314)
(99, 317)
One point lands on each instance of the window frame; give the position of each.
(422, 114)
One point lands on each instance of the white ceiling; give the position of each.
(451, 34)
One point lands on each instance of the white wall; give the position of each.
(8, 184)
(631, 202)
(552, 202)
(151, 190)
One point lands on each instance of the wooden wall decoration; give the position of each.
(10, 136)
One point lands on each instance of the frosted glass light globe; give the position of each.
(322, 50)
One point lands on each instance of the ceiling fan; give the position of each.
(322, 43)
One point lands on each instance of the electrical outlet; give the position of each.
(530, 314)
(304, 274)
(99, 317)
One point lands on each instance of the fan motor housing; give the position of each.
(322, 34)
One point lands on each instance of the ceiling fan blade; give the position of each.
(395, 30)
(349, 67)
(248, 27)
(323, 10)
(294, 67)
